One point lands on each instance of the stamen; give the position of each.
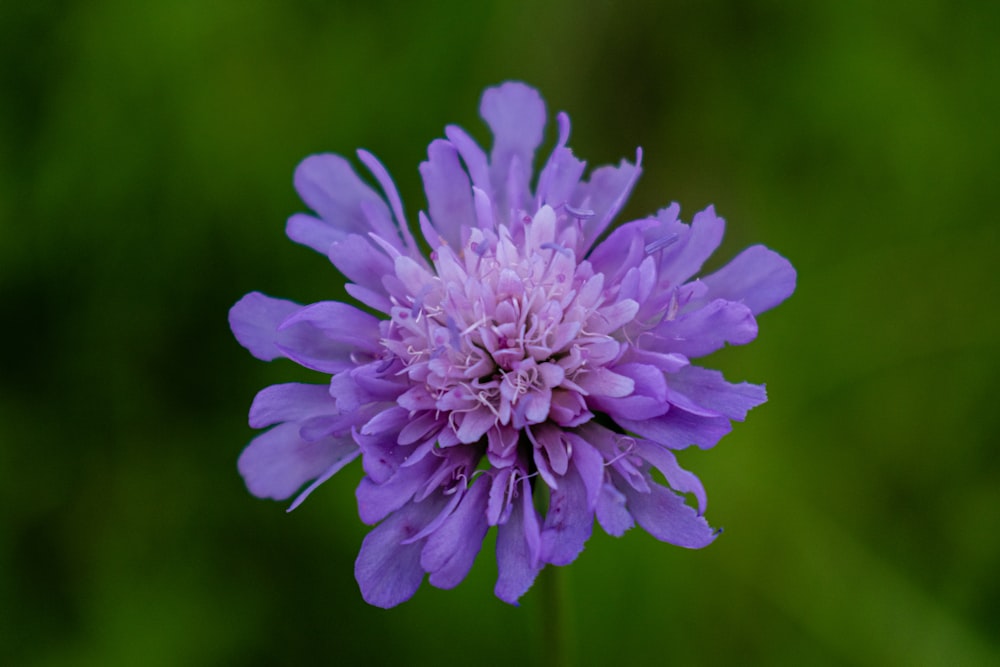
(661, 243)
(579, 213)
(561, 249)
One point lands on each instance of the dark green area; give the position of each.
(146, 155)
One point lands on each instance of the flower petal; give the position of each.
(648, 398)
(569, 520)
(664, 515)
(710, 390)
(707, 329)
(254, 320)
(449, 192)
(388, 570)
(678, 478)
(605, 193)
(359, 261)
(328, 185)
(516, 115)
(329, 336)
(611, 512)
(757, 277)
(695, 244)
(518, 544)
(561, 175)
(605, 382)
(376, 501)
(451, 549)
(290, 402)
(678, 429)
(278, 462)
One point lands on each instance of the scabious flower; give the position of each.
(528, 375)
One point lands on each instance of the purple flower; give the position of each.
(532, 361)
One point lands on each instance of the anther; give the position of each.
(661, 243)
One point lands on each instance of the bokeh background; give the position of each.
(146, 155)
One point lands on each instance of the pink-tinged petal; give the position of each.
(376, 501)
(254, 320)
(516, 115)
(710, 390)
(451, 550)
(569, 520)
(278, 462)
(705, 330)
(611, 512)
(648, 399)
(449, 192)
(290, 402)
(605, 194)
(605, 382)
(360, 261)
(678, 429)
(664, 515)
(518, 544)
(695, 244)
(329, 186)
(678, 478)
(388, 569)
(757, 277)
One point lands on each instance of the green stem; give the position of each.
(554, 622)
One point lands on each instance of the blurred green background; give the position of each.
(146, 156)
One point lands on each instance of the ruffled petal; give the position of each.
(451, 549)
(561, 174)
(569, 520)
(710, 390)
(449, 192)
(518, 544)
(516, 115)
(605, 193)
(329, 336)
(329, 186)
(664, 515)
(705, 330)
(278, 462)
(677, 477)
(611, 511)
(678, 429)
(388, 568)
(694, 245)
(757, 277)
(376, 501)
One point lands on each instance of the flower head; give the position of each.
(527, 375)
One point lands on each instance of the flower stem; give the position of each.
(555, 638)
